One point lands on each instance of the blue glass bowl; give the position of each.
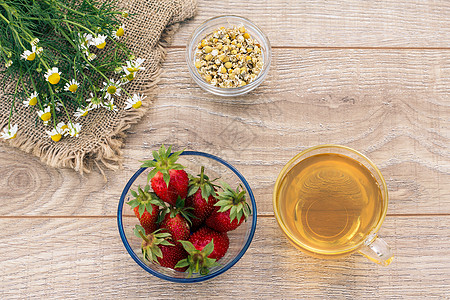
(240, 238)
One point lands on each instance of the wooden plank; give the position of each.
(391, 105)
(84, 258)
(335, 23)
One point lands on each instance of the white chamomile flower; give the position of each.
(128, 76)
(134, 65)
(45, 115)
(54, 134)
(9, 132)
(32, 100)
(100, 41)
(110, 105)
(39, 50)
(84, 41)
(71, 86)
(95, 102)
(62, 128)
(82, 112)
(91, 56)
(29, 55)
(53, 76)
(134, 102)
(34, 42)
(111, 88)
(120, 32)
(8, 63)
(74, 129)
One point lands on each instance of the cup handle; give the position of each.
(376, 249)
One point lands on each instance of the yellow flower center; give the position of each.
(73, 88)
(32, 101)
(14, 136)
(111, 89)
(32, 56)
(46, 116)
(120, 32)
(56, 137)
(101, 46)
(64, 127)
(137, 104)
(54, 78)
(85, 113)
(132, 70)
(130, 76)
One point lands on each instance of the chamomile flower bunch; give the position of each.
(68, 58)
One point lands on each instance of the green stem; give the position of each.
(143, 236)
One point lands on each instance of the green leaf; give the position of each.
(141, 209)
(239, 215)
(232, 213)
(157, 251)
(136, 230)
(225, 208)
(208, 248)
(151, 174)
(133, 203)
(166, 242)
(222, 203)
(148, 164)
(182, 263)
(149, 207)
(147, 188)
(156, 155)
(166, 178)
(188, 246)
(192, 190)
(133, 193)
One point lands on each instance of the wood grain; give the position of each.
(391, 105)
(323, 23)
(84, 258)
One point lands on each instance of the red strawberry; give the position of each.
(201, 197)
(175, 221)
(198, 260)
(156, 247)
(205, 235)
(231, 211)
(145, 207)
(168, 179)
(171, 255)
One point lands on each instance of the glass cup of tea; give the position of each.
(330, 201)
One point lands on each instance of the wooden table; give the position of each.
(372, 75)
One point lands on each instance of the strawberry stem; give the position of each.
(202, 172)
(143, 236)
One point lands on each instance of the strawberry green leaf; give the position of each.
(182, 263)
(156, 155)
(157, 251)
(192, 190)
(147, 188)
(208, 249)
(151, 174)
(141, 209)
(136, 230)
(133, 203)
(166, 178)
(149, 207)
(133, 193)
(188, 246)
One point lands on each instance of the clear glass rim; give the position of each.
(284, 171)
(236, 91)
(201, 278)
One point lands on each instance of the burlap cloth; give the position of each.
(101, 138)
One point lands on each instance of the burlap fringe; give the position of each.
(108, 153)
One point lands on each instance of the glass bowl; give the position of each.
(240, 238)
(208, 27)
